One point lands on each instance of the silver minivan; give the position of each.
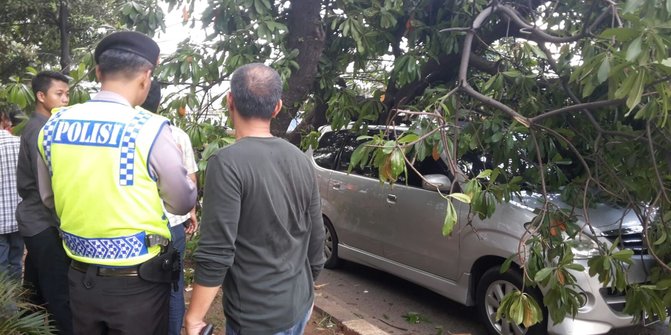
(397, 229)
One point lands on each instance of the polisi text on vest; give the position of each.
(88, 132)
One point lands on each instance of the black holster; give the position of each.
(164, 268)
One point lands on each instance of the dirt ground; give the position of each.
(319, 324)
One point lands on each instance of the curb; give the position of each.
(352, 321)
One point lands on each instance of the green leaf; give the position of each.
(634, 49)
(620, 34)
(484, 174)
(575, 267)
(662, 237)
(532, 311)
(624, 255)
(489, 85)
(490, 201)
(461, 197)
(637, 91)
(542, 275)
(357, 155)
(506, 264)
(604, 70)
(397, 162)
(450, 219)
(388, 147)
(625, 87)
(497, 137)
(516, 311)
(588, 89)
(345, 27)
(210, 149)
(408, 138)
(664, 284)
(632, 5)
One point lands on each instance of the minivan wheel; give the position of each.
(330, 246)
(491, 289)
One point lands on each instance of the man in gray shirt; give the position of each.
(46, 268)
(262, 233)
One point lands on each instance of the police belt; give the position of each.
(129, 271)
(124, 271)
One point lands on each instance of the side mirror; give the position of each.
(433, 181)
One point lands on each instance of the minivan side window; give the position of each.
(425, 167)
(346, 155)
(328, 148)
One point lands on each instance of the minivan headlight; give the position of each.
(583, 247)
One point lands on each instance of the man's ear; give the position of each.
(40, 96)
(278, 108)
(229, 101)
(145, 79)
(99, 75)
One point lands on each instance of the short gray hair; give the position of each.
(256, 89)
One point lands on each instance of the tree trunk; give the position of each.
(63, 17)
(311, 122)
(306, 34)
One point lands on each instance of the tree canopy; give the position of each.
(564, 96)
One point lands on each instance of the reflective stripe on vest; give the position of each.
(127, 159)
(107, 248)
(49, 128)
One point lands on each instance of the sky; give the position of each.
(176, 31)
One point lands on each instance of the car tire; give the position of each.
(330, 245)
(494, 284)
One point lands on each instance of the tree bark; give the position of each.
(63, 17)
(316, 119)
(306, 34)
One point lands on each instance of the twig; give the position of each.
(581, 106)
(651, 148)
(391, 325)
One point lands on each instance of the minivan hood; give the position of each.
(603, 217)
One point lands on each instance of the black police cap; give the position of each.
(129, 41)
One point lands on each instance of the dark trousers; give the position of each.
(117, 305)
(46, 275)
(176, 315)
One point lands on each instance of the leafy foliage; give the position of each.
(567, 98)
(520, 308)
(16, 316)
(30, 31)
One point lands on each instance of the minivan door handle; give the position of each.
(335, 186)
(391, 198)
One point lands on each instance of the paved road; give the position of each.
(400, 307)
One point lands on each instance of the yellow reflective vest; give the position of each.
(105, 194)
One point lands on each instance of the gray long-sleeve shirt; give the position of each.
(262, 234)
(165, 162)
(31, 214)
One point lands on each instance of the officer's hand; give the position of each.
(194, 328)
(193, 226)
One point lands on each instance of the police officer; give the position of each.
(106, 167)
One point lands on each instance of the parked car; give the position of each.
(396, 229)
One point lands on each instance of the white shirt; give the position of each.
(189, 161)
